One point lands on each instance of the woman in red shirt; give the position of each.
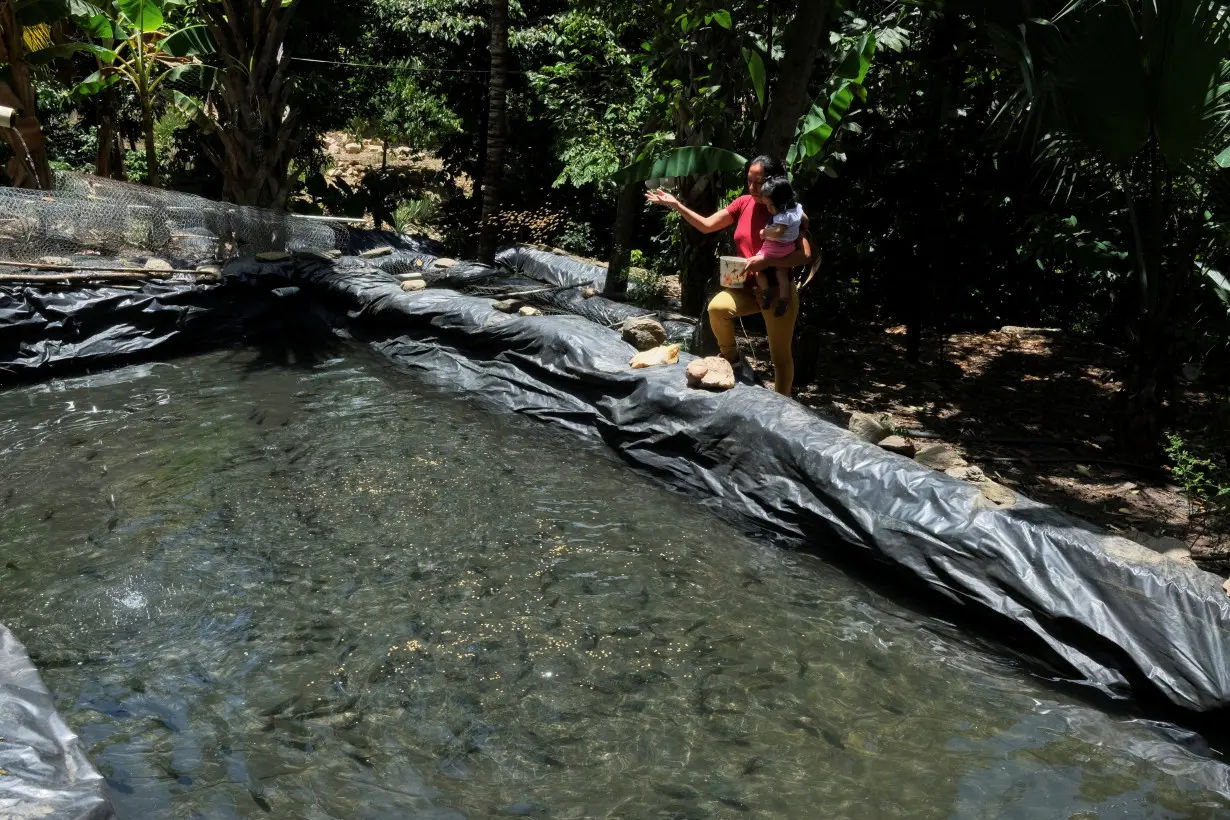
(749, 216)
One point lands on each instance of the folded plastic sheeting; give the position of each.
(551, 267)
(361, 240)
(1092, 608)
(44, 331)
(43, 772)
(562, 271)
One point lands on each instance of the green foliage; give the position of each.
(590, 91)
(405, 113)
(166, 126)
(577, 238)
(448, 21)
(824, 118)
(70, 145)
(647, 288)
(1204, 476)
(688, 160)
(142, 15)
(135, 166)
(415, 213)
(1220, 285)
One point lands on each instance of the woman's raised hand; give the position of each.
(660, 197)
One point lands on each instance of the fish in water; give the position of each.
(677, 791)
(754, 766)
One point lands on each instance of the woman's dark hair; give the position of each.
(780, 192)
(772, 166)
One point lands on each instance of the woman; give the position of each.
(749, 216)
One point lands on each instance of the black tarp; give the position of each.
(43, 772)
(563, 271)
(551, 268)
(359, 240)
(1100, 610)
(46, 330)
(554, 291)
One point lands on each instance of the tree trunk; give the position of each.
(29, 167)
(493, 172)
(627, 212)
(699, 263)
(151, 150)
(788, 97)
(258, 132)
(1151, 376)
(109, 159)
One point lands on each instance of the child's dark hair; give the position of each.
(780, 192)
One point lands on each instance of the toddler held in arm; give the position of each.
(780, 235)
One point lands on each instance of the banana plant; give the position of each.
(133, 45)
(827, 113)
(814, 132)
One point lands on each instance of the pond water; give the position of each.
(329, 591)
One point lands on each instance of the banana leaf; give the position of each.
(681, 162)
(144, 15)
(64, 50)
(818, 125)
(192, 41)
(93, 84)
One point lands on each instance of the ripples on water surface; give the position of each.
(332, 592)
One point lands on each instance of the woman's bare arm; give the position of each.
(705, 224)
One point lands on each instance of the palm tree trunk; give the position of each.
(1151, 376)
(627, 211)
(493, 172)
(788, 97)
(258, 131)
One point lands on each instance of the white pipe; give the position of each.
(8, 117)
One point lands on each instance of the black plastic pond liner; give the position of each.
(46, 331)
(43, 771)
(1099, 610)
(553, 293)
(366, 240)
(553, 269)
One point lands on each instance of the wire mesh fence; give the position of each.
(85, 216)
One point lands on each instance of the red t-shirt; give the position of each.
(750, 219)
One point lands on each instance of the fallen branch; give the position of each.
(75, 272)
(551, 289)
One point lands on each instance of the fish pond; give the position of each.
(331, 591)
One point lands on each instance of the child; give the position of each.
(779, 236)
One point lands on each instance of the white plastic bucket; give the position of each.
(733, 271)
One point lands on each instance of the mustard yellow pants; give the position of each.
(729, 304)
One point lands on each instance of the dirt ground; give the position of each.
(1029, 407)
